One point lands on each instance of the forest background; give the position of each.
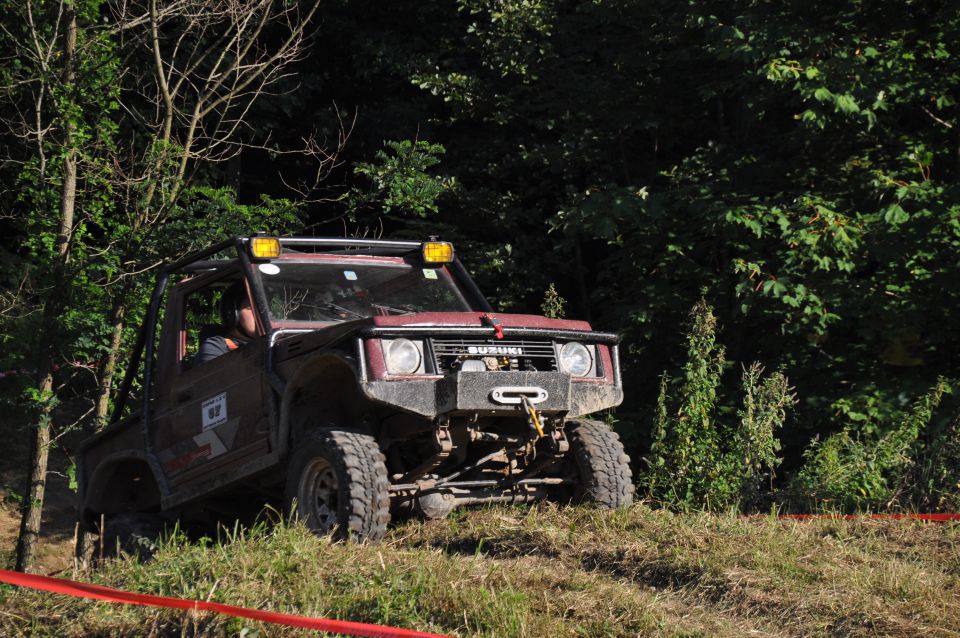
(788, 170)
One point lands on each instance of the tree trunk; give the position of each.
(117, 313)
(33, 503)
(40, 444)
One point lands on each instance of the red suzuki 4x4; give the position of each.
(378, 381)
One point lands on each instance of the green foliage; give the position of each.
(68, 116)
(700, 459)
(937, 471)
(205, 215)
(87, 107)
(41, 403)
(400, 181)
(907, 464)
(765, 404)
(119, 231)
(72, 476)
(553, 305)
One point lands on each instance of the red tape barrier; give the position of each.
(98, 592)
(940, 518)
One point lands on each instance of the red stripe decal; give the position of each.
(99, 592)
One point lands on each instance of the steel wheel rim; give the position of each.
(319, 495)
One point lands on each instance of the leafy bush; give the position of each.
(913, 464)
(938, 478)
(553, 306)
(698, 461)
(399, 180)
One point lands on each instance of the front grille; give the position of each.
(534, 355)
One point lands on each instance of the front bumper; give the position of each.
(472, 392)
(495, 393)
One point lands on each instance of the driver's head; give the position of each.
(236, 313)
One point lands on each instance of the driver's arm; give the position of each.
(211, 349)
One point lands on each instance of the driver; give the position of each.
(239, 325)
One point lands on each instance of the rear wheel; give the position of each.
(337, 484)
(132, 533)
(600, 465)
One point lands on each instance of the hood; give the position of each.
(296, 345)
(474, 319)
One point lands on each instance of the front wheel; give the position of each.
(600, 466)
(337, 484)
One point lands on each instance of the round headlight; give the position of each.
(575, 359)
(403, 357)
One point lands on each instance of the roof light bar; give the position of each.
(264, 247)
(437, 252)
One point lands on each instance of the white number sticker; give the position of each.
(214, 411)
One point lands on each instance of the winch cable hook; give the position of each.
(533, 416)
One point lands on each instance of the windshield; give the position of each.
(330, 292)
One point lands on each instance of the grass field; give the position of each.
(543, 572)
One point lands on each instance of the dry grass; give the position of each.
(545, 572)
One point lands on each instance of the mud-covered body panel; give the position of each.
(468, 392)
(452, 393)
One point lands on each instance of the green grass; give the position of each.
(544, 572)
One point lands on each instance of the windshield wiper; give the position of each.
(405, 309)
(329, 305)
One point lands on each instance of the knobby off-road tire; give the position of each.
(337, 484)
(602, 467)
(132, 533)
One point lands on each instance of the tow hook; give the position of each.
(532, 417)
(556, 439)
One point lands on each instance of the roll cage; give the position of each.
(204, 261)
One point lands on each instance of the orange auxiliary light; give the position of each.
(437, 252)
(265, 247)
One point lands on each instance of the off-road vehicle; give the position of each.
(380, 381)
